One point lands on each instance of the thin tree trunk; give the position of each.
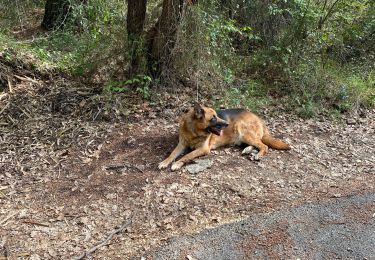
(162, 37)
(55, 14)
(135, 24)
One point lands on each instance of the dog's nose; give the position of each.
(224, 124)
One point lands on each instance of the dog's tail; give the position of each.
(274, 142)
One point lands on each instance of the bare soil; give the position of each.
(311, 231)
(71, 172)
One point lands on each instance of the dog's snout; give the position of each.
(225, 124)
(222, 124)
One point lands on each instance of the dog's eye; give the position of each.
(213, 119)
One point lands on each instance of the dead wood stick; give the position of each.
(26, 79)
(3, 96)
(17, 255)
(8, 217)
(23, 111)
(3, 187)
(33, 222)
(114, 232)
(5, 107)
(10, 86)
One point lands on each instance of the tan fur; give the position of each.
(244, 127)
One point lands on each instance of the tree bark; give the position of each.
(161, 39)
(55, 14)
(135, 24)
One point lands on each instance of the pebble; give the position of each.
(199, 166)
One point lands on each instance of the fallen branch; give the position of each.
(10, 86)
(5, 107)
(26, 79)
(16, 255)
(4, 95)
(33, 222)
(8, 217)
(125, 165)
(105, 242)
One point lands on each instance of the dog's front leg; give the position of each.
(190, 156)
(180, 148)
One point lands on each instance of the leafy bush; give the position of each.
(315, 56)
(248, 94)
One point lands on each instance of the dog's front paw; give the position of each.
(164, 164)
(176, 166)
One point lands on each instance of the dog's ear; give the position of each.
(198, 111)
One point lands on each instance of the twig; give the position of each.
(26, 79)
(35, 223)
(8, 217)
(5, 107)
(3, 96)
(23, 111)
(17, 255)
(10, 118)
(10, 86)
(114, 232)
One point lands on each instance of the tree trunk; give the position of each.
(162, 37)
(135, 23)
(227, 7)
(55, 14)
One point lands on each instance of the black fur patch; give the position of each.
(227, 114)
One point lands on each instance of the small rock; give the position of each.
(193, 218)
(35, 257)
(199, 166)
(351, 121)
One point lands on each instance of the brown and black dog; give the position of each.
(203, 129)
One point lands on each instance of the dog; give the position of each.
(203, 129)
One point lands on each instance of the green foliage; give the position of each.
(89, 37)
(315, 56)
(16, 14)
(250, 94)
(141, 83)
(330, 89)
(98, 16)
(116, 87)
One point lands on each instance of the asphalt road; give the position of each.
(341, 228)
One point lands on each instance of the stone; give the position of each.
(199, 166)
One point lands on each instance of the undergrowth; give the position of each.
(291, 53)
(330, 89)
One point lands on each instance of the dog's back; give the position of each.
(229, 114)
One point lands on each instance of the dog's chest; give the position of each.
(197, 142)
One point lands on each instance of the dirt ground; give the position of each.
(68, 181)
(342, 228)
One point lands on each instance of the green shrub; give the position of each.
(315, 56)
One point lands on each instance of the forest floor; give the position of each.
(68, 180)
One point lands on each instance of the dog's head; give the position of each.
(206, 119)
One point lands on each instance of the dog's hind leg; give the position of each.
(248, 149)
(252, 141)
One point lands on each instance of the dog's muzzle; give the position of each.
(217, 128)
